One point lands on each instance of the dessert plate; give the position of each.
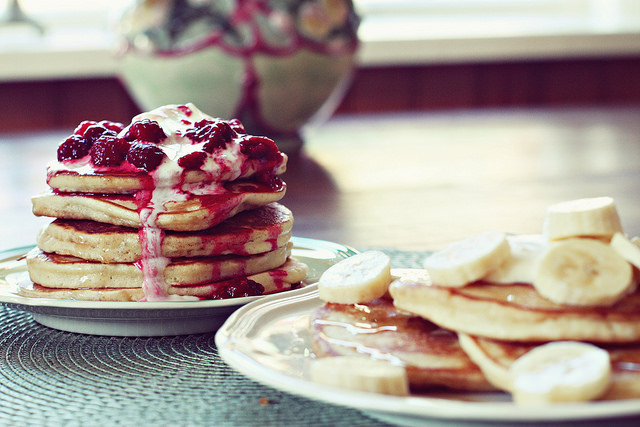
(268, 341)
(146, 318)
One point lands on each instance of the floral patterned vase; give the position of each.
(274, 64)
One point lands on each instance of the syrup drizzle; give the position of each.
(152, 263)
(151, 204)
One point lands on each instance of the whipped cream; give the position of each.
(225, 164)
(228, 164)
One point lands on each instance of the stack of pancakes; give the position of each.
(467, 337)
(498, 323)
(212, 229)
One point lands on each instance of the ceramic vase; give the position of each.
(276, 65)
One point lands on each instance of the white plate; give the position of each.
(146, 318)
(268, 341)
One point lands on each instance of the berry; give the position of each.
(240, 288)
(193, 160)
(114, 126)
(145, 156)
(145, 130)
(185, 110)
(218, 135)
(215, 133)
(109, 151)
(237, 126)
(82, 127)
(196, 133)
(73, 147)
(269, 179)
(93, 132)
(259, 147)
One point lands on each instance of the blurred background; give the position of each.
(59, 60)
(509, 105)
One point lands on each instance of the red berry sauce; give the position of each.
(108, 150)
(145, 156)
(145, 130)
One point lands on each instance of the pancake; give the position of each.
(518, 313)
(248, 233)
(197, 212)
(63, 180)
(109, 183)
(495, 357)
(432, 356)
(63, 271)
(288, 276)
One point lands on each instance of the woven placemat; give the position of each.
(52, 378)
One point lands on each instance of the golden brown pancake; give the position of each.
(248, 233)
(518, 313)
(111, 182)
(195, 213)
(63, 271)
(495, 358)
(432, 355)
(285, 277)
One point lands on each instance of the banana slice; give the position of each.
(359, 373)
(592, 217)
(626, 248)
(583, 272)
(468, 260)
(522, 265)
(357, 279)
(561, 371)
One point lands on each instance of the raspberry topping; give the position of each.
(186, 110)
(240, 288)
(145, 130)
(260, 147)
(114, 126)
(74, 147)
(219, 134)
(215, 133)
(237, 126)
(145, 156)
(93, 132)
(197, 133)
(193, 160)
(82, 127)
(109, 151)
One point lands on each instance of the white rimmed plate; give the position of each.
(268, 341)
(146, 318)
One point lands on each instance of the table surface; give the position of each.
(406, 183)
(412, 181)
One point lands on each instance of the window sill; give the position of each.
(384, 43)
